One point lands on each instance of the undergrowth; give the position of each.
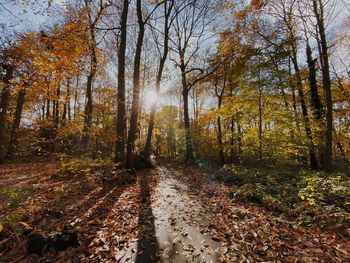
(307, 196)
(104, 169)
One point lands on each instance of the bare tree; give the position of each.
(93, 19)
(168, 20)
(192, 20)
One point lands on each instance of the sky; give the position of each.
(25, 15)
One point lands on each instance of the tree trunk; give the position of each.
(312, 155)
(220, 95)
(260, 124)
(294, 101)
(319, 13)
(57, 106)
(220, 143)
(4, 104)
(75, 109)
(316, 103)
(147, 148)
(16, 123)
(68, 101)
(188, 140)
(48, 108)
(315, 98)
(89, 105)
(130, 162)
(121, 114)
(260, 117)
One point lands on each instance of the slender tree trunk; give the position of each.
(260, 117)
(121, 114)
(4, 104)
(260, 124)
(43, 109)
(319, 13)
(232, 126)
(57, 106)
(313, 160)
(66, 106)
(294, 102)
(189, 148)
(315, 98)
(89, 105)
(219, 135)
(54, 102)
(188, 140)
(13, 144)
(239, 141)
(220, 95)
(48, 109)
(167, 12)
(76, 99)
(130, 158)
(316, 103)
(68, 101)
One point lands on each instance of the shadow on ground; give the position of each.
(147, 245)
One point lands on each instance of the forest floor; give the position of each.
(170, 213)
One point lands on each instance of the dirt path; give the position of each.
(175, 222)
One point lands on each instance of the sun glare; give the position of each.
(150, 97)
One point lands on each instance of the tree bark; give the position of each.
(315, 98)
(57, 106)
(130, 158)
(188, 140)
(91, 76)
(220, 143)
(4, 104)
(13, 144)
(167, 12)
(121, 107)
(319, 13)
(312, 155)
(260, 123)
(220, 96)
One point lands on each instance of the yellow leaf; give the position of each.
(1, 227)
(26, 226)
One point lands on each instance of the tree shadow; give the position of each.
(147, 245)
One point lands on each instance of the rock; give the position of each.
(36, 243)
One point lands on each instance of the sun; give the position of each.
(150, 97)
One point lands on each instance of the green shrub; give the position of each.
(306, 195)
(14, 196)
(84, 166)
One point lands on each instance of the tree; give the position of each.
(121, 111)
(93, 45)
(7, 72)
(319, 12)
(130, 162)
(190, 26)
(168, 20)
